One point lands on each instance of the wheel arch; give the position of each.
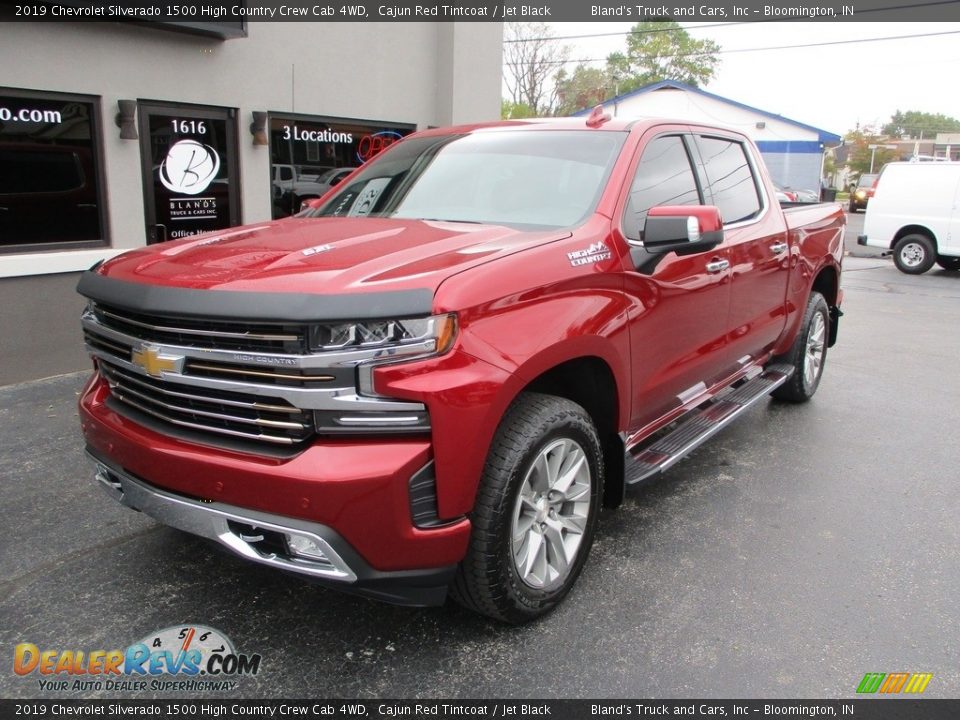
(914, 230)
(589, 381)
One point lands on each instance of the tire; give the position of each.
(808, 354)
(512, 570)
(914, 254)
(948, 263)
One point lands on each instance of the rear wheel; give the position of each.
(948, 263)
(808, 353)
(536, 511)
(914, 254)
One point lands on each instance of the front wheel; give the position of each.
(536, 511)
(948, 263)
(914, 254)
(808, 353)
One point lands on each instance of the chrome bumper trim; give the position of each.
(211, 520)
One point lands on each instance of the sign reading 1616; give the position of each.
(189, 127)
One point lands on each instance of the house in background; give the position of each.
(793, 151)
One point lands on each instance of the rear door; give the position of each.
(755, 237)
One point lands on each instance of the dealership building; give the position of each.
(115, 136)
(792, 151)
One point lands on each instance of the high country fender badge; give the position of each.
(594, 253)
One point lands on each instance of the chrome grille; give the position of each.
(223, 395)
(214, 334)
(251, 417)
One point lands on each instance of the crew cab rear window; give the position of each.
(542, 179)
(731, 185)
(664, 177)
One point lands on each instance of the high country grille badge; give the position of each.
(155, 362)
(594, 253)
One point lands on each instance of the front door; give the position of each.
(190, 174)
(679, 305)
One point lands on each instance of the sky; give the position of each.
(830, 87)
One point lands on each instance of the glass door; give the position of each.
(190, 173)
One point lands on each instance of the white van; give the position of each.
(915, 212)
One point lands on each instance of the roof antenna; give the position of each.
(597, 117)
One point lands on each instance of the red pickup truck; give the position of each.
(432, 378)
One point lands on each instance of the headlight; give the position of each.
(385, 341)
(367, 346)
(861, 194)
(439, 330)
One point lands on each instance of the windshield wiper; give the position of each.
(468, 222)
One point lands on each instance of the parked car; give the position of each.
(860, 195)
(293, 185)
(783, 195)
(433, 379)
(915, 212)
(806, 196)
(47, 193)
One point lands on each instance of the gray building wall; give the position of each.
(424, 74)
(40, 327)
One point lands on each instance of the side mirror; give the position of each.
(684, 229)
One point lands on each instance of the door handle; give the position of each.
(778, 247)
(717, 266)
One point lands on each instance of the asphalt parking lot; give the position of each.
(801, 548)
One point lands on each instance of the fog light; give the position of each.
(302, 546)
(347, 422)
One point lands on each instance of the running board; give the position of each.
(702, 425)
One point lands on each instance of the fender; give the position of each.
(467, 397)
(814, 247)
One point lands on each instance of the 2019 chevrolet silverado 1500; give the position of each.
(433, 377)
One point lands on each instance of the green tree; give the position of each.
(585, 87)
(860, 154)
(662, 51)
(510, 110)
(917, 124)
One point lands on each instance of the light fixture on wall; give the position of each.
(258, 128)
(127, 119)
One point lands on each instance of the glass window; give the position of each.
(533, 178)
(304, 151)
(730, 177)
(49, 171)
(664, 177)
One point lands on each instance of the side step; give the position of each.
(702, 425)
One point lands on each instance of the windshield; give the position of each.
(544, 179)
(866, 180)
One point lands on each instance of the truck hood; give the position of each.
(324, 255)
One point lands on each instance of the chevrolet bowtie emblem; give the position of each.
(154, 362)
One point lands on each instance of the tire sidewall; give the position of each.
(817, 307)
(929, 254)
(529, 600)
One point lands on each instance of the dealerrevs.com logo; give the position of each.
(180, 658)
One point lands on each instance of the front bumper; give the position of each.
(358, 489)
(267, 539)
